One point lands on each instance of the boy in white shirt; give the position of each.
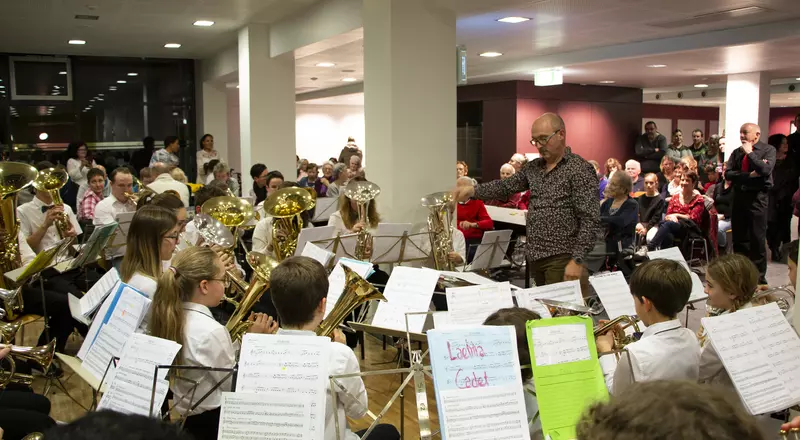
(299, 290)
(667, 350)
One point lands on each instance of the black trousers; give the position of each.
(203, 426)
(59, 316)
(22, 413)
(779, 222)
(749, 225)
(383, 431)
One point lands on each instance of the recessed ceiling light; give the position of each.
(325, 64)
(490, 54)
(43, 136)
(62, 72)
(122, 81)
(657, 66)
(172, 45)
(91, 100)
(77, 42)
(204, 23)
(513, 19)
(349, 80)
(56, 87)
(2, 87)
(133, 74)
(606, 82)
(701, 86)
(797, 79)
(100, 94)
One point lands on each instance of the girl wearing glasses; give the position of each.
(193, 283)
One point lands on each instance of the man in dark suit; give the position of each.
(650, 147)
(750, 170)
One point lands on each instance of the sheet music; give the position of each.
(247, 416)
(565, 291)
(471, 305)
(336, 279)
(317, 253)
(476, 375)
(325, 207)
(387, 242)
(698, 290)
(281, 365)
(95, 296)
(673, 253)
(488, 253)
(614, 293)
(761, 354)
(470, 277)
(94, 245)
(74, 308)
(107, 345)
(308, 235)
(560, 344)
(408, 290)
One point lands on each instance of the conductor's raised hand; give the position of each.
(462, 193)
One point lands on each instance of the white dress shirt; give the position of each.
(459, 245)
(666, 351)
(165, 182)
(25, 252)
(342, 361)
(107, 209)
(31, 218)
(206, 343)
(262, 236)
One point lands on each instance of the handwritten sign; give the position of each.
(476, 374)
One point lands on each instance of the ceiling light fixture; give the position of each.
(349, 80)
(100, 94)
(490, 54)
(133, 74)
(204, 23)
(77, 42)
(325, 64)
(2, 87)
(797, 79)
(513, 19)
(657, 66)
(172, 45)
(43, 136)
(606, 82)
(701, 86)
(122, 81)
(62, 72)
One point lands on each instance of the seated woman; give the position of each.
(612, 165)
(339, 178)
(472, 219)
(513, 202)
(667, 173)
(651, 207)
(688, 164)
(673, 186)
(619, 214)
(222, 175)
(684, 214)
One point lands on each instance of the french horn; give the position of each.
(362, 193)
(51, 180)
(285, 206)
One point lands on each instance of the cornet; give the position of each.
(620, 338)
(42, 355)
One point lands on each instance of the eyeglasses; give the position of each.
(543, 140)
(174, 237)
(225, 281)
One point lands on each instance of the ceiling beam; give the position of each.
(321, 21)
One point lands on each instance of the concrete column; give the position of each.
(409, 102)
(215, 120)
(747, 100)
(266, 105)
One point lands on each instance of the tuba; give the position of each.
(620, 338)
(232, 212)
(285, 206)
(8, 331)
(14, 177)
(357, 290)
(440, 219)
(362, 192)
(42, 355)
(262, 270)
(51, 180)
(215, 233)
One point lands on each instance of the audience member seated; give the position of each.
(722, 194)
(518, 160)
(302, 168)
(258, 173)
(612, 165)
(340, 178)
(321, 185)
(462, 169)
(472, 219)
(618, 214)
(669, 410)
(650, 148)
(667, 172)
(674, 185)
(634, 169)
(163, 182)
(684, 214)
(651, 208)
(208, 168)
(689, 164)
(354, 169)
(145, 176)
(222, 175)
(93, 195)
(676, 150)
(311, 179)
(514, 201)
(711, 177)
(179, 175)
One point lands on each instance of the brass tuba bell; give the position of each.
(362, 192)
(42, 355)
(440, 228)
(14, 177)
(51, 180)
(215, 233)
(285, 206)
(356, 290)
(263, 266)
(232, 212)
(8, 331)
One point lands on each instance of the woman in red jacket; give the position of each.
(684, 212)
(472, 219)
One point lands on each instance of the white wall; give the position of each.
(322, 130)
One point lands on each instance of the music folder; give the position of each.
(42, 261)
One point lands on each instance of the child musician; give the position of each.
(299, 287)
(667, 350)
(518, 317)
(180, 312)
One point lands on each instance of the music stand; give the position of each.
(120, 236)
(231, 375)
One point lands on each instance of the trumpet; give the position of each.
(51, 180)
(362, 192)
(620, 338)
(285, 206)
(42, 355)
(134, 197)
(440, 219)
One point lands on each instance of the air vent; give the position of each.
(711, 17)
(87, 17)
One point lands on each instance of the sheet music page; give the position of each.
(673, 253)
(108, 344)
(470, 277)
(488, 253)
(560, 344)
(336, 279)
(317, 253)
(99, 291)
(565, 291)
(614, 293)
(780, 342)
(308, 235)
(387, 242)
(247, 416)
(698, 290)
(408, 290)
(280, 365)
(471, 305)
(75, 310)
(478, 383)
(746, 359)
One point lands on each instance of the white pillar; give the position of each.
(746, 100)
(215, 120)
(266, 105)
(409, 102)
(721, 126)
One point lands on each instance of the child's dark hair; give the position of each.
(297, 286)
(95, 172)
(209, 192)
(518, 317)
(665, 283)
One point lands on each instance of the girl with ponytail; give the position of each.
(194, 282)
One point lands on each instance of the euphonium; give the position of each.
(232, 212)
(356, 290)
(285, 206)
(440, 228)
(51, 180)
(262, 271)
(620, 338)
(14, 177)
(215, 233)
(362, 192)
(42, 355)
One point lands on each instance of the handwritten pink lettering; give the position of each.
(468, 351)
(473, 381)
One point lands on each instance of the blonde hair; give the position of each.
(176, 286)
(178, 175)
(689, 163)
(736, 275)
(142, 253)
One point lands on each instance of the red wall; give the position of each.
(780, 117)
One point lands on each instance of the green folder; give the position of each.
(567, 376)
